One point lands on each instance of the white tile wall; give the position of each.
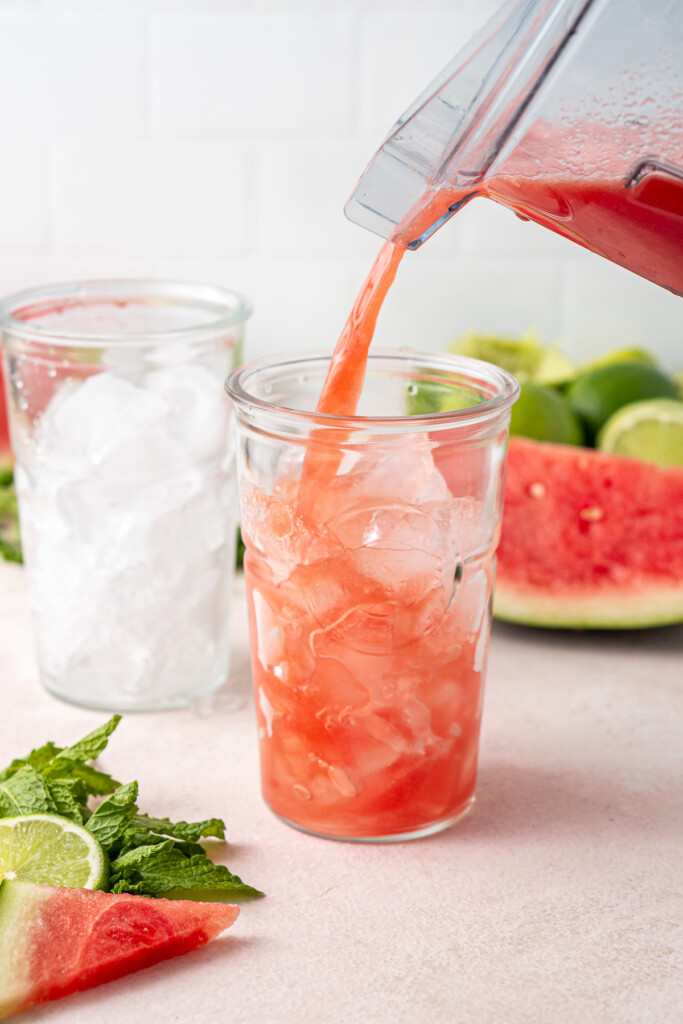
(153, 196)
(264, 74)
(219, 140)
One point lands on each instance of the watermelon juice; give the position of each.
(370, 557)
(639, 227)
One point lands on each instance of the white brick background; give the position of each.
(218, 140)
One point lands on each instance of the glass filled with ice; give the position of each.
(370, 560)
(126, 484)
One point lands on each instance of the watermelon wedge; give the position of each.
(589, 540)
(54, 941)
(6, 457)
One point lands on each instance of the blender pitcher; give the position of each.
(569, 112)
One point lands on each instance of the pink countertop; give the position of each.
(557, 900)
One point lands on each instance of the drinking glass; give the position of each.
(370, 560)
(126, 484)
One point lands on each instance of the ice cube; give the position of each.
(201, 414)
(84, 422)
(392, 471)
(471, 601)
(129, 543)
(286, 538)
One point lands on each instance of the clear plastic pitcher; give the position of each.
(569, 112)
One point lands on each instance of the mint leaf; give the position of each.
(139, 854)
(108, 823)
(38, 758)
(158, 870)
(149, 856)
(95, 783)
(136, 836)
(189, 831)
(64, 800)
(92, 745)
(25, 792)
(10, 541)
(75, 787)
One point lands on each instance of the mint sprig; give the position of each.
(10, 541)
(149, 856)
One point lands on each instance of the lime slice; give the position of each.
(544, 414)
(651, 431)
(525, 357)
(597, 395)
(51, 850)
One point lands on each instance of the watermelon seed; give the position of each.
(537, 490)
(592, 514)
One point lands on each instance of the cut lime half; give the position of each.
(651, 431)
(524, 357)
(51, 850)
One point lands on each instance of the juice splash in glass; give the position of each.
(371, 536)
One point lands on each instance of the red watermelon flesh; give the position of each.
(54, 941)
(5, 448)
(589, 540)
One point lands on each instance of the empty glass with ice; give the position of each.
(126, 484)
(369, 566)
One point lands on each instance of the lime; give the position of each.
(596, 395)
(651, 431)
(523, 357)
(51, 850)
(544, 414)
(429, 397)
(620, 355)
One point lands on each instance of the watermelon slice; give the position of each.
(6, 458)
(54, 941)
(589, 540)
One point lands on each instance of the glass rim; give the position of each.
(478, 370)
(231, 308)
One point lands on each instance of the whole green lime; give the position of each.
(596, 395)
(544, 414)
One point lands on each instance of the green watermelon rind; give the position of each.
(650, 607)
(15, 912)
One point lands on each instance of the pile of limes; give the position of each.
(622, 403)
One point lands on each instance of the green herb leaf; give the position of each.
(10, 541)
(108, 823)
(189, 831)
(95, 783)
(136, 836)
(64, 800)
(92, 745)
(25, 792)
(38, 758)
(149, 856)
(158, 870)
